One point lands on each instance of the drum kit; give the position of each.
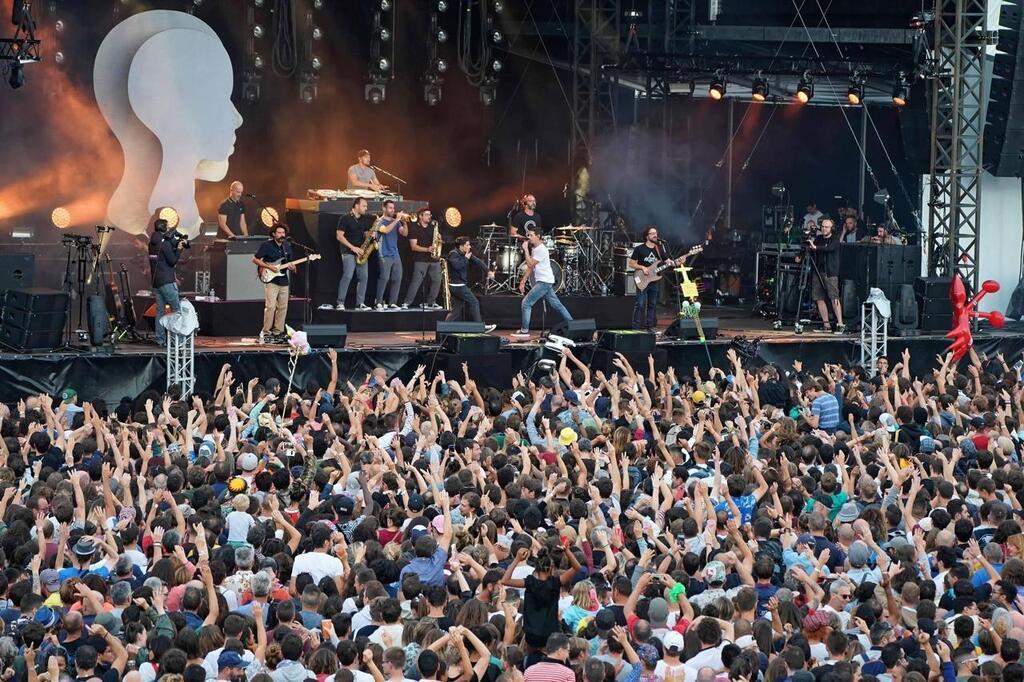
(577, 261)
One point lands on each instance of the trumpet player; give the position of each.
(351, 231)
(426, 259)
(388, 227)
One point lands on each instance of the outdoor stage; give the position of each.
(109, 375)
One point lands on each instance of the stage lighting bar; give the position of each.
(252, 69)
(437, 65)
(382, 53)
(309, 75)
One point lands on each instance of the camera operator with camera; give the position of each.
(165, 248)
(823, 245)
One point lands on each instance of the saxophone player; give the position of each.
(424, 241)
(351, 232)
(388, 227)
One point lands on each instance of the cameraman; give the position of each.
(164, 250)
(824, 249)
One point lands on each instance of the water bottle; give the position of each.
(604, 289)
(212, 296)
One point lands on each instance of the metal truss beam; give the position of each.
(815, 34)
(957, 123)
(682, 66)
(19, 49)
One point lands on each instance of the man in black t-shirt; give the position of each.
(526, 218)
(421, 238)
(231, 214)
(351, 232)
(825, 252)
(275, 292)
(645, 259)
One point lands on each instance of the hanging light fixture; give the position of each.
(805, 90)
(716, 90)
(759, 90)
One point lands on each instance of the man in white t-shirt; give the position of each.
(538, 269)
(319, 563)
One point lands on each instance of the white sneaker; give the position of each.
(340, 306)
(394, 306)
(490, 328)
(380, 306)
(326, 306)
(522, 332)
(260, 339)
(433, 306)
(405, 306)
(363, 306)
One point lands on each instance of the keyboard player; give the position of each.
(361, 175)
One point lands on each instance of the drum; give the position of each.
(556, 270)
(510, 257)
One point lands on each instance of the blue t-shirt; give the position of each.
(826, 408)
(430, 569)
(387, 243)
(745, 503)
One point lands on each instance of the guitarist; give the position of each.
(645, 259)
(275, 292)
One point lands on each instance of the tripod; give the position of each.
(807, 264)
(75, 275)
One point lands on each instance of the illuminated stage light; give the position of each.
(496, 65)
(900, 94)
(496, 36)
(384, 64)
(61, 217)
(257, 31)
(318, 34)
(269, 216)
(442, 5)
(442, 36)
(375, 93)
(58, 26)
(453, 216)
(804, 90)
(759, 90)
(22, 232)
(316, 63)
(716, 90)
(58, 57)
(855, 93)
(432, 94)
(170, 215)
(385, 5)
(385, 35)
(441, 65)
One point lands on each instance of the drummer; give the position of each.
(527, 218)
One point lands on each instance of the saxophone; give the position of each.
(435, 245)
(369, 244)
(435, 253)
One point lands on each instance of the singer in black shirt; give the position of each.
(275, 292)
(464, 302)
(824, 250)
(644, 260)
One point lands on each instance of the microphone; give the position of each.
(251, 196)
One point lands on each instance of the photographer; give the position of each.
(824, 247)
(164, 250)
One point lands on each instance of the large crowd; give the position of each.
(754, 522)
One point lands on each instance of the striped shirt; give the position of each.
(549, 670)
(826, 408)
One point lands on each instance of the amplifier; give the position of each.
(26, 319)
(685, 328)
(232, 274)
(17, 271)
(27, 340)
(37, 300)
(627, 341)
(326, 335)
(937, 323)
(471, 344)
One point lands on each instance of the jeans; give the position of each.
(645, 309)
(348, 268)
(390, 271)
(547, 292)
(166, 295)
(464, 305)
(420, 270)
(275, 308)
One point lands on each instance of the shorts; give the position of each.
(829, 293)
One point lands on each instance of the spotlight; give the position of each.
(716, 90)
(170, 215)
(385, 5)
(441, 66)
(58, 25)
(881, 197)
(921, 19)
(488, 94)
(257, 31)
(855, 93)
(442, 36)
(251, 88)
(496, 65)
(384, 64)
(316, 63)
(210, 230)
(16, 78)
(453, 216)
(496, 36)
(375, 93)
(318, 33)
(900, 93)
(385, 35)
(257, 61)
(307, 88)
(498, 7)
(58, 57)
(22, 232)
(804, 90)
(61, 217)
(432, 94)
(317, 4)
(442, 5)
(269, 216)
(759, 90)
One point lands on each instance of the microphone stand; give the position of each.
(307, 314)
(394, 177)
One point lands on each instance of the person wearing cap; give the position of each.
(361, 174)
(432, 554)
(81, 559)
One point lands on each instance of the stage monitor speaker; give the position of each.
(576, 330)
(326, 335)
(848, 293)
(99, 322)
(933, 287)
(444, 328)
(905, 317)
(17, 271)
(627, 340)
(37, 300)
(471, 344)
(1004, 122)
(685, 328)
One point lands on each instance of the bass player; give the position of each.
(645, 260)
(275, 292)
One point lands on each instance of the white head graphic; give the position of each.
(163, 81)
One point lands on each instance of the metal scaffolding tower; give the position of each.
(957, 124)
(181, 361)
(597, 32)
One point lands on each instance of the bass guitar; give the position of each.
(660, 269)
(267, 275)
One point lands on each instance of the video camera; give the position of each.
(178, 238)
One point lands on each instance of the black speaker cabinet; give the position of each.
(326, 335)
(17, 271)
(576, 330)
(37, 300)
(686, 328)
(627, 341)
(445, 328)
(471, 344)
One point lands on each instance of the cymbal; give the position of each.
(572, 228)
(491, 225)
(565, 241)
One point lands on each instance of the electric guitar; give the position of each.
(657, 271)
(267, 275)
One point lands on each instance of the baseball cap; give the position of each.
(698, 396)
(247, 461)
(416, 502)
(68, 394)
(50, 579)
(673, 640)
(805, 539)
(715, 572)
(416, 532)
(605, 620)
(572, 397)
(46, 617)
(229, 659)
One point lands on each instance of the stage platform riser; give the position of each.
(109, 377)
